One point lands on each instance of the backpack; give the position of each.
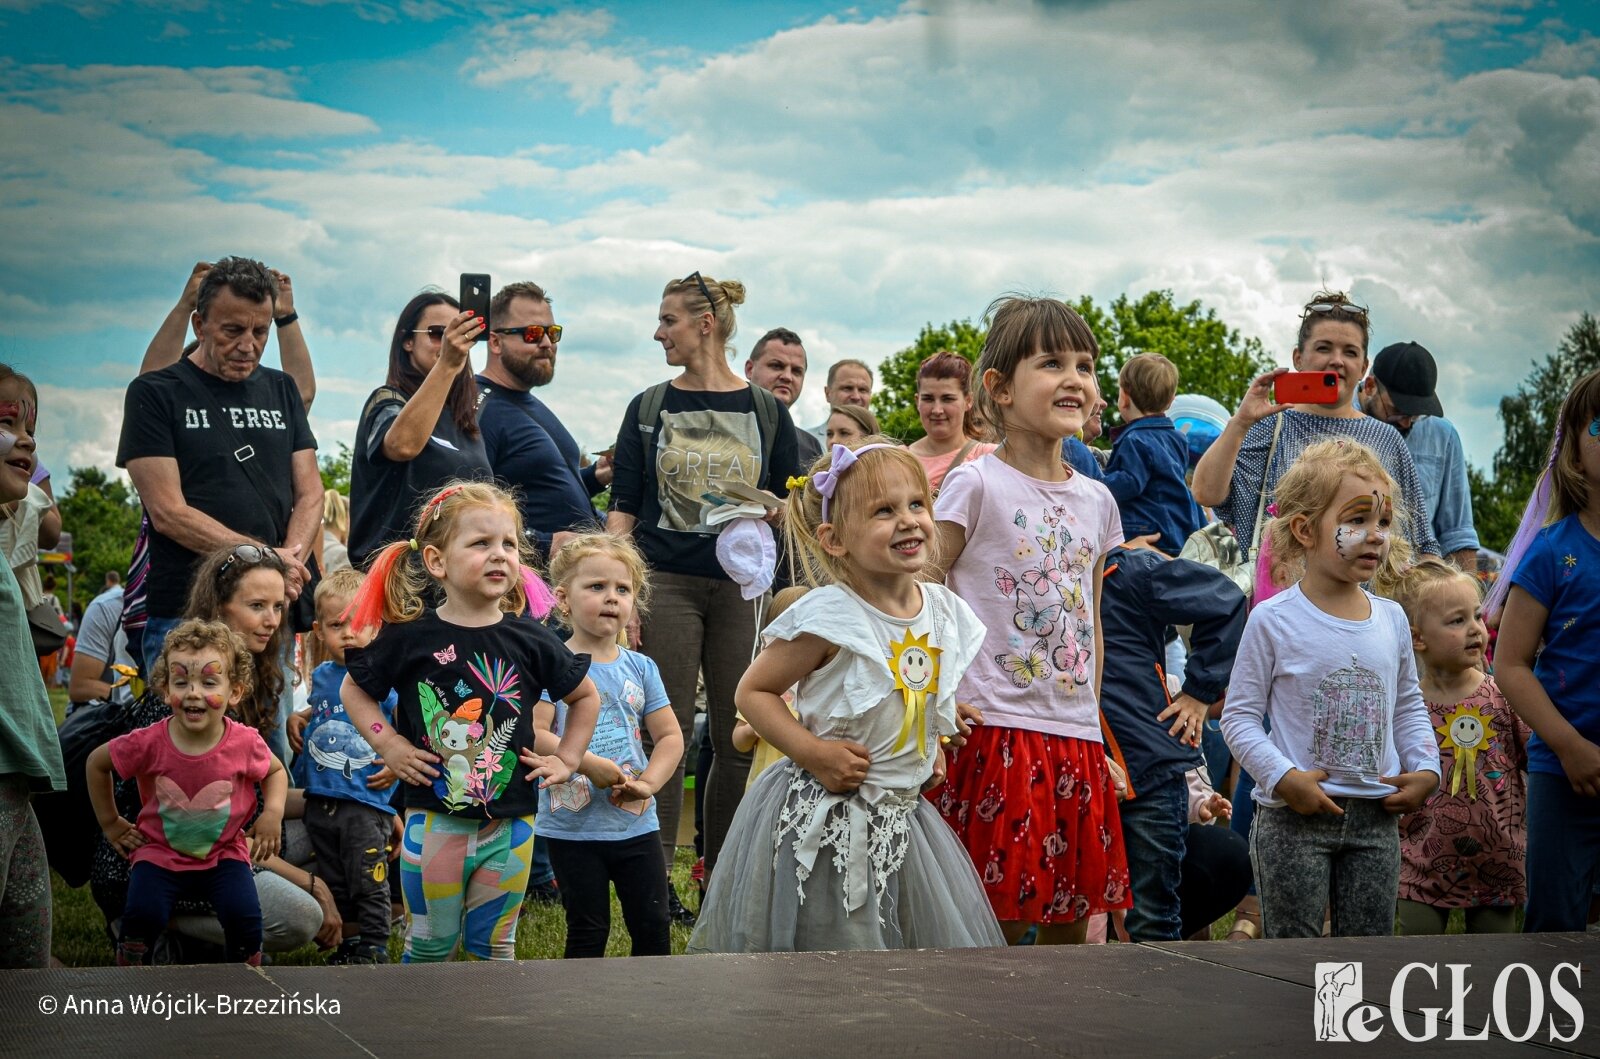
(651, 400)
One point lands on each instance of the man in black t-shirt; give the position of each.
(219, 447)
(778, 365)
(527, 445)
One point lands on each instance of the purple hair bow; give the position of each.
(843, 459)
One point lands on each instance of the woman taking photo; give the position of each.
(944, 404)
(420, 428)
(678, 441)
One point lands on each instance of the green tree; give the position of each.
(895, 402)
(1528, 419)
(335, 468)
(1211, 357)
(102, 514)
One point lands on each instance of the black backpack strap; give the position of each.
(650, 403)
(767, 423)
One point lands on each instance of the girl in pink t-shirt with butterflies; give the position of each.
(1033, 795)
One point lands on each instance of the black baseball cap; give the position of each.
(1409, 375)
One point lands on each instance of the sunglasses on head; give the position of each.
(703, 289)
(250, 555)
(1323, 308)
(533, 333)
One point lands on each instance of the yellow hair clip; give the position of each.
(413, 543)
(797, 481)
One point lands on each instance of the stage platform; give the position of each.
(1181, 1000)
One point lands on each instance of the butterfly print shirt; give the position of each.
(194, 806)
(1028, 571)
(467, 695)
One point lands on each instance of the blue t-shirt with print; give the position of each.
(336, 760)
(1561, 570)
(630, 687)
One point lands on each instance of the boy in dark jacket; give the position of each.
(1158, 739)
(1150, 460)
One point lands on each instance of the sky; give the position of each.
(864, 170)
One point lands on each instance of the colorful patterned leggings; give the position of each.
(24, 880)
(463, 877)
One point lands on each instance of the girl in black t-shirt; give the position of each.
(468, 675)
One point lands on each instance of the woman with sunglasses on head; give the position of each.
(680, 440)
(420, 428)
(244, 588)
(1239, 473)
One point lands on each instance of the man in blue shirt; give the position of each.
(1400, 391)
(527, 446)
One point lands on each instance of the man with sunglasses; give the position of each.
(219, 448)
(527, 445)
(1400, 390)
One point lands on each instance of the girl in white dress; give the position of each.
(836, 848)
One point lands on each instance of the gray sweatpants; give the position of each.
(1305, 864)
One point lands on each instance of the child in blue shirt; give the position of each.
(348, 816)
(1150, 460)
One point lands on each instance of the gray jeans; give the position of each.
(1304, 864)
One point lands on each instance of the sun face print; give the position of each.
(1467, 732)
(915, 665)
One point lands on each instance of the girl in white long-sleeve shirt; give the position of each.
(1331, 665)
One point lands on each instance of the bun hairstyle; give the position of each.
(724, 295)
(397, 583)
(1019, 326)
(1308, 489)
(1355, 314)
(216, 581)
(564, 564)
(196, 634)
(857, 488)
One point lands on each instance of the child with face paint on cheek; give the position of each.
(1329, 663)
(197, 772)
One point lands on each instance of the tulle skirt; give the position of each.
(930, 898)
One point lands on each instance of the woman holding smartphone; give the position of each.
(1263, 440)
(420, 428)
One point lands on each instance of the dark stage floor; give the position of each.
(1185, 1001)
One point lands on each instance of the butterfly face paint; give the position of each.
(1363, 525)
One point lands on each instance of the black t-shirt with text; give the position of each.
(702, 438)
(163, 417)
(467, 694)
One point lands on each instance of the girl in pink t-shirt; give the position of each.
(197, 773)
(1033, 796)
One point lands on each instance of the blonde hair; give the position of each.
(397, 582)
(1308, 489)
(1150, 381)
(725, 294)
(197, 634)
(857, 488)
(565, 562)
(1018, 327)
(336, 514)
(782, 600)
(1418, 585)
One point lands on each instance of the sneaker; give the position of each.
(346, 950)
(369, 953)
(675, 910)
(545, 893)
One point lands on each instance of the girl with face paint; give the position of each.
(1324, 707)
(197, 773)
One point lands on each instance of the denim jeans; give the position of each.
(1563, 854)
(1154, 826)
(155, 637)
(1304, 864)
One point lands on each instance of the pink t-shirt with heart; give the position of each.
(195, 805)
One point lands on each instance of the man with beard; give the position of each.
(1400, 391)
(528, 447)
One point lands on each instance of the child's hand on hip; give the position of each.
(1582, 766)
(1414, 790)
(382, 779)
(1188, 714)
(1119, 777)
(839, 765)
(1303, 791)
(411, 763)
(940, 772)
(123, 836)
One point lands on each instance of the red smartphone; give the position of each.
(1306, 387)
(475, 296)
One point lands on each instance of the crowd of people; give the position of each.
(997, 686)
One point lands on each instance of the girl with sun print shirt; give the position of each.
(836, 848)
(468, 675)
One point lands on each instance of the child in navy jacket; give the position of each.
(1157, 738)
(1149, 461)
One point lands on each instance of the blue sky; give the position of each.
(863, 169)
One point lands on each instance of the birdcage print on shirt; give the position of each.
(1348, 721)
